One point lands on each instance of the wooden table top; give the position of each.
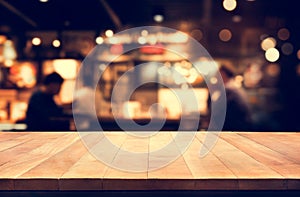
(239, 161)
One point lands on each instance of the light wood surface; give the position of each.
(60, 161)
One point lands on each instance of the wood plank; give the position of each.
(201, 168)
(116, 138)
(60, 162)
(166, 160)
(280, 163)
(88, 172)
(238, 161)
(131, 161)
(31, 153)
(242, 165)
(120, 179)
(174, 170)
(10, 153)
(13, 141)
(90, 166)
(4, 136)
(87, 166)
(158, 152)
(285, 143)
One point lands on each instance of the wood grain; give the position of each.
(62, 161)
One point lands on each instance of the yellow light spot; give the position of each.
(215, 95)
(142, 40)
(56, 43)
(213, 80)
(229, 5)
(158, 18)
(109, 33)
(268, 43)
(67, 68)
(272, 55)
(99, 40)
(8, 63)
(144, 33)
(36, 41)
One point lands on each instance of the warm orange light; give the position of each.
(2, 39)
(238, 80)
(131, 109)
(18, 111)
(268, 43)
(9, 52)
(56, 43)
(144, 33)
(24, 74)
(158, 18)
(225, 35)
(99, 40)
(298, 54)
(168, 98)
(36, 41)
(67, 68)
(109, 33)
(273, 70)
(213, 80)
(272, 55)
(8, 63)
(229, 5)
(215, 95)
(67, 91)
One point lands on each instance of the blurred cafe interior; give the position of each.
(258, 39)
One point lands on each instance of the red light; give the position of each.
(152, 49)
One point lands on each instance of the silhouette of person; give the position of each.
(238, 116)
(42, 109)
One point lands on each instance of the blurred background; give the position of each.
(258, 39)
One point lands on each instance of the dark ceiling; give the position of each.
(92, 14)
(24, 19)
